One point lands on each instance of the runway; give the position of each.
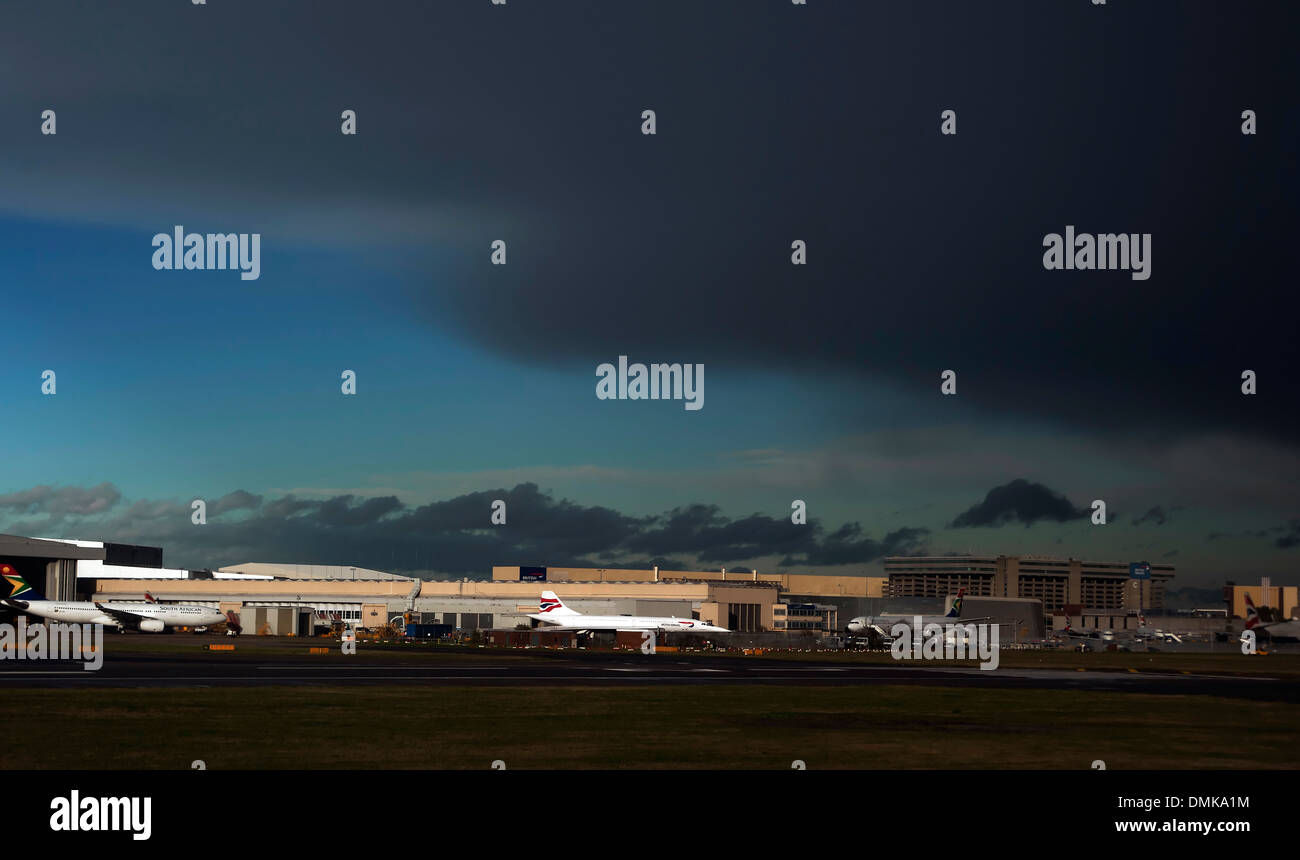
(202, 669)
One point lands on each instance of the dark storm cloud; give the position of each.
(776, 123)
(454, 536)
(341, 511)
(847, 545)
(713, 538)
(703, 531)
(1251, 533)
(287, 506)
(1019, 501)
(1291, 538)
(237, 501)
(57, 502)
(1154, 515)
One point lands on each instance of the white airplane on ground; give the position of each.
(560, 617)
(149, 617)
(1092, 640)
(1278, 631)
(866, 625)
(1145, 633)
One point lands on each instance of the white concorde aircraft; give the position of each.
(560, 617)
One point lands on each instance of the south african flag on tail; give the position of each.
(955, 612)
(18, 586)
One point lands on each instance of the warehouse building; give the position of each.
(1099, 586)
(272, 596)
(1282, 600)
(48, 566)
(109, 560)
(467, 605)
(744, 603)
(805, 601)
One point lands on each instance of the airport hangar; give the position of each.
(50, 566)
(270, 597)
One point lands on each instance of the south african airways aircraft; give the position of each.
(560, 617)
(864, 625)
(147, 617)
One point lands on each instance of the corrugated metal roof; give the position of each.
(16, 545)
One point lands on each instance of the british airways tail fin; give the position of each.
(552, 606)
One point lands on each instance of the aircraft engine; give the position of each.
(151, 625)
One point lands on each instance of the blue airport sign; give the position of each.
(1139, 570)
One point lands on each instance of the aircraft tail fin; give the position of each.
(1252, 614)
(955, 612)
(21, 590)
(553, 606)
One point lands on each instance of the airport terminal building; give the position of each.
(1098, 586)
(268, 597)
(272, 598)
(372, 599)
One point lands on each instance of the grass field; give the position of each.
(643, 728)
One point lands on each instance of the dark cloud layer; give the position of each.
(1285, 536)
(1019, 501)
(776, 122)
(452, 537)
(704, 531)
(1290, 538)
(1154, 515)
(57, 503)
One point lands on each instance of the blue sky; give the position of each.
(477, 381)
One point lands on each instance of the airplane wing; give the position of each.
(121, 616)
